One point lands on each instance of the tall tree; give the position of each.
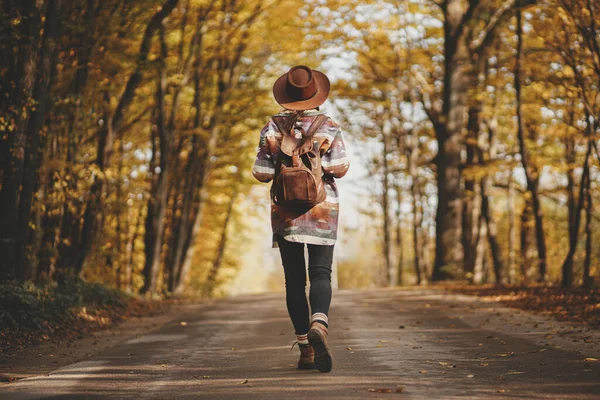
(16, 91)
(41, 96)
(531, 173)
(461, 40)
(109, 130)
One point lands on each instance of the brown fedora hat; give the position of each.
(301, 88)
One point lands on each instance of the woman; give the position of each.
(300, 92)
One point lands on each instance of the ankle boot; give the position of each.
(307, 357)
(317, 337)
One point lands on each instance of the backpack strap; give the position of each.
(307, 145)
(286, 125)
(317, 124)
(289, 143)
(280, 123)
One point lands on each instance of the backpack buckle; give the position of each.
(295, 160)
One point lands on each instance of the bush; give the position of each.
(30, 307)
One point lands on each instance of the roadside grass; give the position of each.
(31, 314)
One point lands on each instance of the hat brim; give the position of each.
(319, 98)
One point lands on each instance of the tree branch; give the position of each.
(500, 15)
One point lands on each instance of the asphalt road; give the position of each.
(425, 344)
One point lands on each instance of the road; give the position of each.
(423, 343)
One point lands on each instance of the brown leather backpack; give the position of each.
(298, 175)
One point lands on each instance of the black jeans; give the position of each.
(320, 259)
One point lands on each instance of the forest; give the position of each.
(128, 130)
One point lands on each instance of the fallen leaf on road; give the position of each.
(183, 323)
(244, 382)
(590, 359)
(349, 348)
(381, 390)
(422, 372)
(500, 391)
(484, 365)
(443, 363)
(399, 389)
(509, 354)
(514, 373)
(538, 351)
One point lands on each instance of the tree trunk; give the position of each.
(385, 181)
(183, 230)
(531, 173)
(199, 218)
(399, 239)
(470, 210)
(492, 232)
(588, 280)
(480, 270)
(206, 168)
(567, 267)
(218, 261)
(570, 159)
(413, 158)
(69, 245)
(458, 79)
(225, 67)
(136, 227)
(18, 95)
(527, 238)
(36, 121)
(512, 232)
(157, 203)
(107, 133)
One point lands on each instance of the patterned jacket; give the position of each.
(317, 224)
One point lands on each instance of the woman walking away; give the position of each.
(302, 151)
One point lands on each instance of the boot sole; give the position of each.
(323, 360)
(307, 366)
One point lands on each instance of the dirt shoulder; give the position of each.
(75, 345)
(576, 305)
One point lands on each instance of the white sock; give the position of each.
(302, 339)
(319, 317)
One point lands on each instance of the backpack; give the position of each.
(298, 175)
